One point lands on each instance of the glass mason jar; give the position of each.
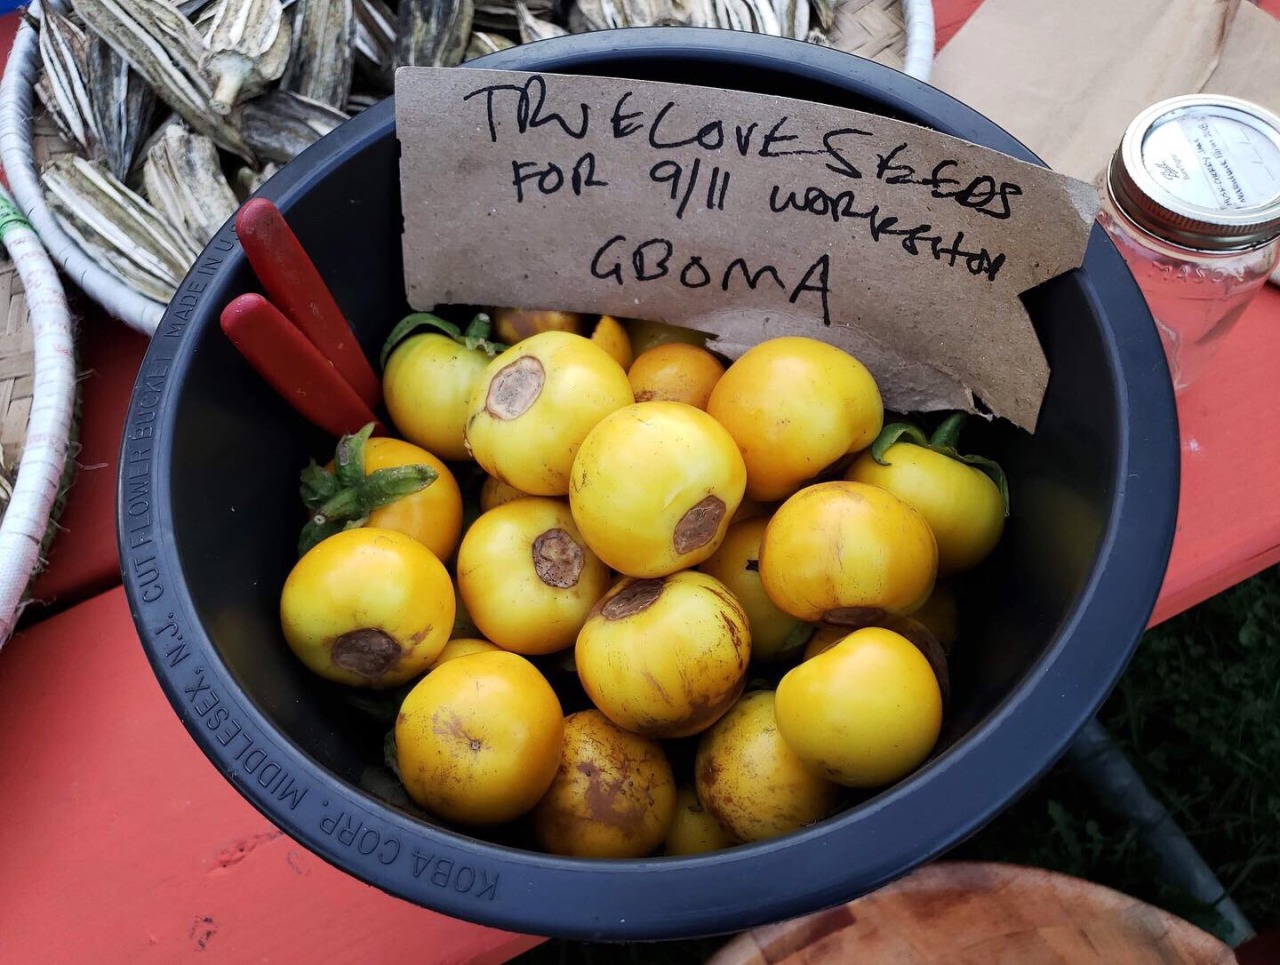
(1192, 200)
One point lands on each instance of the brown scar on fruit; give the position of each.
(446, 723)
(699, 525)
(515, 388)
(557, 559)
(638, 596)
(612, 800)
(731, 627)
(368, 652)
(854, 616)
(656, 684)
(709, 770)
(728, 599)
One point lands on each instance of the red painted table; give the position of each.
(122, 844)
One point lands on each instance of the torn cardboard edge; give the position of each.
(743, 216)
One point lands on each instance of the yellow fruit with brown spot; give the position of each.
(841, 552)
(478, 739)
(535, 404)
(367, 607)
(613, 795)
(752, 782)
(695, 829)
(675, 372)
(526, 576)
(654, 486)
(665, 657)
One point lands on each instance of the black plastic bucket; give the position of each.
(208, 518)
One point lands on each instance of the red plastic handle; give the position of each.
(294, 367)
(295, 287)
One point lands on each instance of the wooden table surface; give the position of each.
(122, 844)
(961, 913)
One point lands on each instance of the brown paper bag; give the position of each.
(1067, 78)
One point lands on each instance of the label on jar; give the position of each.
(1214, 162)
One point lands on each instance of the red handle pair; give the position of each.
(297, 338)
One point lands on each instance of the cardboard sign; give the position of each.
(741, 215)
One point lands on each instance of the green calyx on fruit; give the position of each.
(344, 498)
(476, 335)
(943, 441)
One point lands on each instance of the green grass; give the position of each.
(1198, 713)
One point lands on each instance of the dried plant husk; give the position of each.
(64, 84)
(362, 102)
(247, 48)
(534, 28)
(124, 104)
(185, 183)
(282, 125)
(165, 49)
(793, 18)
(825, 11)
(694, 13)
(247, 180)
(482, 43)
(433, 33)
(196, 10)
(756, 16)
(320, 65)
(589, 15)
(128, 236)
(375, 41)
(501, 14)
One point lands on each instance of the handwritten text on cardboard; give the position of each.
(742, 215)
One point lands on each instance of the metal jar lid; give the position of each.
(1201, 171)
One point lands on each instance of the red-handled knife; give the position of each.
(295, 368)
(295, 287)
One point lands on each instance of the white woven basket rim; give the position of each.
(40, 471)
(921, 38)
(17, 103)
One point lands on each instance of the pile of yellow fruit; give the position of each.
(685, 532)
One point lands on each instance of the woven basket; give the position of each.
(897, 33)
(17, 374)
(17, 393)
(37, 409)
